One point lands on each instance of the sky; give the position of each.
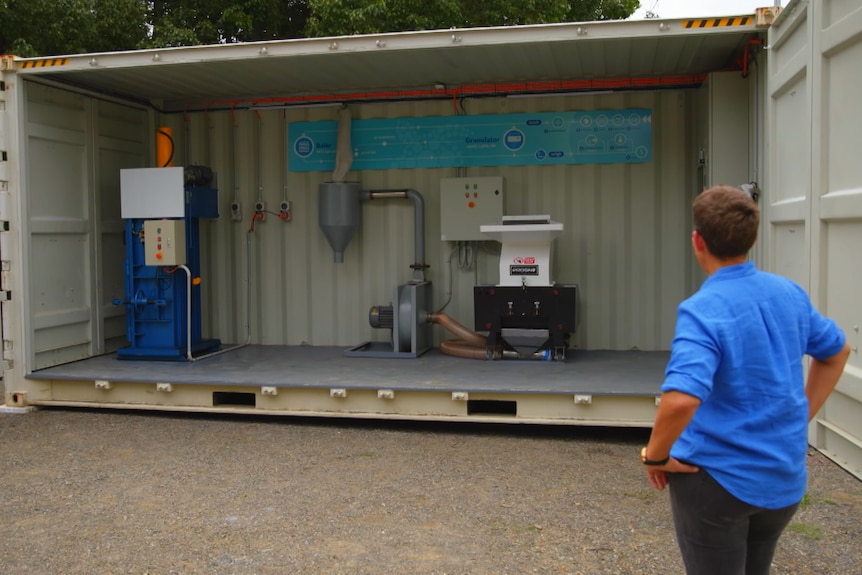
(693, 8)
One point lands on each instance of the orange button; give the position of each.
(471, 204)
(159, 255)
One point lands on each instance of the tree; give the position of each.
(343, 17)
(51, 27)
(590, 10)
(190, 22)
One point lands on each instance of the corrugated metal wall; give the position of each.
(626, 240)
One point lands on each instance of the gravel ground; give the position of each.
(103, 492)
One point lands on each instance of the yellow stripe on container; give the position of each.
(718, 22)
(45, 63)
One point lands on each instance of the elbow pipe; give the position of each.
(419, 265)
(746, 56)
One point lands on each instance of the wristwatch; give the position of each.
(646, 461)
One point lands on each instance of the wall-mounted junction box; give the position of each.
(466, 204)
(164, 242)
(152, 193)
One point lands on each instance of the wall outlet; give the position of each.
(236, 211)
(284, 211)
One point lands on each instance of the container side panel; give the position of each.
(836, 10)
(787, 199)
(791, 42)
(794, 141)
(837, 178)
(842, 269)
(841, 101)
(787, 241)
(813, 121)
(58, 210)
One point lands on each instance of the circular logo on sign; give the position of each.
(303, 146)
(514, 139)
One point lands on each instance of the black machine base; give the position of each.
(526, 319)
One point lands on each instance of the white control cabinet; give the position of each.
(468, 203)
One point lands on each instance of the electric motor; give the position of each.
(381, 316)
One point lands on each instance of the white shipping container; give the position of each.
(723, 109)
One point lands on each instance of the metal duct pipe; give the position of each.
(419, 265)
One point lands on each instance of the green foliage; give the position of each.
(190, 22)
(52, 27)
(345, 17)
(590, 10)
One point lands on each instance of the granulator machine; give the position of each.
(527, 312)
(162, 208)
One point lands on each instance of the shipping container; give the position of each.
(530, 186)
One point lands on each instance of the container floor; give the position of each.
(590, 372)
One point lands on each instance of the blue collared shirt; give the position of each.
(738, 347)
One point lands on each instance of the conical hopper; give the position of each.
(339, 214)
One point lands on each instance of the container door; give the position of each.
(815, 197)
(75, 147)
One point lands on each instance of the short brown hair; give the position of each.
(727, 220)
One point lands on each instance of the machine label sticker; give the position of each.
(577, 137)
(522, 270)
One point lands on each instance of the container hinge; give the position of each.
(5, 265)
(5, 295)
(7, 349)
(4, 200)
(4, 225)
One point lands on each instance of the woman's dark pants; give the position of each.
(720, 535)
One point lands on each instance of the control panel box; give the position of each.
(466, 204)
(147, 193)
(165, 242)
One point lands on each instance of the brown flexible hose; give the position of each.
(469, 345)
(457, 329)
(460, 348)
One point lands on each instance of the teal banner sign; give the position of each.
(589, 137)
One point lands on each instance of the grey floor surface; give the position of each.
(595, 372)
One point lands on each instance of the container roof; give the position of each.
(591, 56)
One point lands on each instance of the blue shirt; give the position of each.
(738, 348)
